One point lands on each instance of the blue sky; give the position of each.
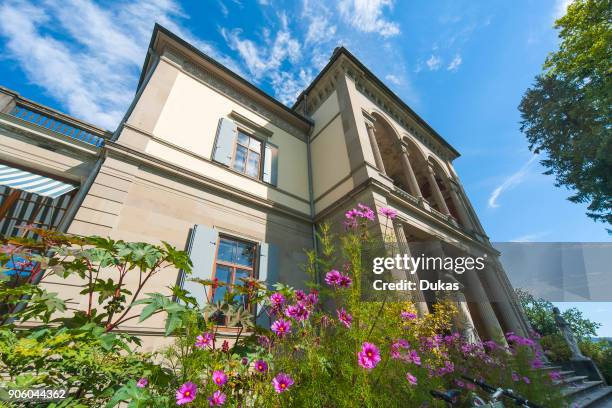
(462, 65)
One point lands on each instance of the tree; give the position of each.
(566, 113)
(539, 312)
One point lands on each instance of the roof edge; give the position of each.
(159, 29)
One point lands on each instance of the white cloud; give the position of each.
(368, 16)
(510, 182)
(434, 62)
(394, 79)
(319, 17)
(264, 60)
(455, 63)
(561, 8)
(93, 67)
(223, 8)
(530, 237)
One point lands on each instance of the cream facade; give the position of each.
(206, 161)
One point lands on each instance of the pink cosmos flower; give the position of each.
(526, 380)
(143, 382)
(277, 299)
(396, 348)
(515, 377)
(332, 278)
(555, 375)
(369, 356)
(205, 340)
(366, 212)
(414, 357)
(219, 378)
(411, 379)
(345, 318)
(297, 312)
(300, 295)
(217, 399)
(261, 366)
(186, 393)
(408, 316)
(345, 281)
(282, 382)
(388, 212)
(312, 298)
(281, 327)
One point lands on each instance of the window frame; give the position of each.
(262, 144)
(234, 266)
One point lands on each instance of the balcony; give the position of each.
(43, 119)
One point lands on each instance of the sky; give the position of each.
(461, 65)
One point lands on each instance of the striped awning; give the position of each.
(32, 182)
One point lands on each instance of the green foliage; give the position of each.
(539, 312)
(566, 113)
(601, 353)
(77, 349)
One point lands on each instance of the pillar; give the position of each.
(377, 156)
(404, 248)
(415, 190)
(505, 300)
(482, 302)
(463, 215)
(436, 190)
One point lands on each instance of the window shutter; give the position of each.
(224, 145)
(270, 174)
(201, 250)
(268, 273)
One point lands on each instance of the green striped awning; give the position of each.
(32, 182)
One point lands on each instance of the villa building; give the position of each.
(206, 161)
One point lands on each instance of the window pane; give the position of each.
(239, 161)
(243, 139)
(223, 274)
(255, 145)
(227, 250)
(241, 273)
(245, 254)
(253, 165)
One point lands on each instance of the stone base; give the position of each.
(586, 367)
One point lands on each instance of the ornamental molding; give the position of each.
(222, 86)
(381, 99)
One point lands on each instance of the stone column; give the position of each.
(415, 190)
(463, 215)
(377, 156)
(492, 327)
(506, 301)
(404, 248)
(436, 190)
(463, 320)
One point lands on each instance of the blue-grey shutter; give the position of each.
(268, 273)
(224, 142)
(270, 174)
(201, 250)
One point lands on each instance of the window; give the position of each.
(235, 260)
(247, 155)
